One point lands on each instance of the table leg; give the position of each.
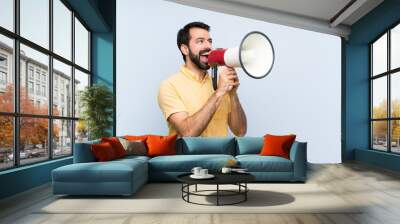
(245, 191)
(217, 194)
(188, 189)
(196, 188)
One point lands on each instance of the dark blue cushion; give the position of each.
(249, 145)
(206, 145)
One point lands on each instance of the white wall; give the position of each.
(301, 95)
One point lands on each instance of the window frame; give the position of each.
(15, 72)
(388, 74)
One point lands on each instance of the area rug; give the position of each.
(167, 198)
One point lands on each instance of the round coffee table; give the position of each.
(238, 179)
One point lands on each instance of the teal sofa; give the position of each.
(125, 176)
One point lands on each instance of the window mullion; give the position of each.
(16, 84)
(50, 87)
(73, 82)
(389, 105)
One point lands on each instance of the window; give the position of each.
(30, 87)
(35, 21)
(385, 91)
(43, 77)
(44, 91)
(7, 14)
(54, 126)
(3, 78)
(62, 75)
(30, 72)
(81, 45)
(62, 29)
(37, 74)
(6, 72)
(3, 61)
(3, 72)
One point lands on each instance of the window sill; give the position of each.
(26, 167)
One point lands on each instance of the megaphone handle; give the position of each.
(214, 73)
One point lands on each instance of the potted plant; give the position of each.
(96, 102)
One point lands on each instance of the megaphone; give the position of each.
(255, 55)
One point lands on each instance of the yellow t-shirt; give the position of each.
(185, 92)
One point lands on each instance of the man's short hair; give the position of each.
(184, 36)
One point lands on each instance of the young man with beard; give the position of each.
(187, 99)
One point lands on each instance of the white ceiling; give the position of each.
(325, 16)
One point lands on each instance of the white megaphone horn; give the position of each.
(255, 55)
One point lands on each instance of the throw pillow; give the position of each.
(161, 145)
(117, 146)
(277, 145)
(103, 151)
(136, 147)
(136, 137)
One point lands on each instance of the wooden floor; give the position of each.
(377, 188)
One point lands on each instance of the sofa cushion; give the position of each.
(249, 145)
(161, 145)
(111, 171)
(206, 145)
(83, 152)
(185, 163)
(103, 152)
(116, 145)
(275, 145)
(131, 158)
(257, 163)
(135, 147)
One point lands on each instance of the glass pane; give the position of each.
(379, 55)
(62, 138)
(6, 142)
(34, 81)
(7, 14)
(395, 47)
(33, 139)
(35, 21)
(81, 81)
(62, 29)
(62, 89)
(395, 136)
(379, 135)
(395, 94)
(81, 131)
(6, 74)
(81, 45)
(379, 97)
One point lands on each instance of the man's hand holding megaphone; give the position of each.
(228, 81)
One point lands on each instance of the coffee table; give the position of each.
(238, 179)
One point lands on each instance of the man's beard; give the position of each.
(196, 59)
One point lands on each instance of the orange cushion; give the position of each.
(161, 145)
(103, 151)
(116, 145)
(277, 145)
(136, 137)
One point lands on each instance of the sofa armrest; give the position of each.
(298, 155)
(83, 152)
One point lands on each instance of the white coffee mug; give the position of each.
(203, 172)
(196, 170)
(226, 170)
